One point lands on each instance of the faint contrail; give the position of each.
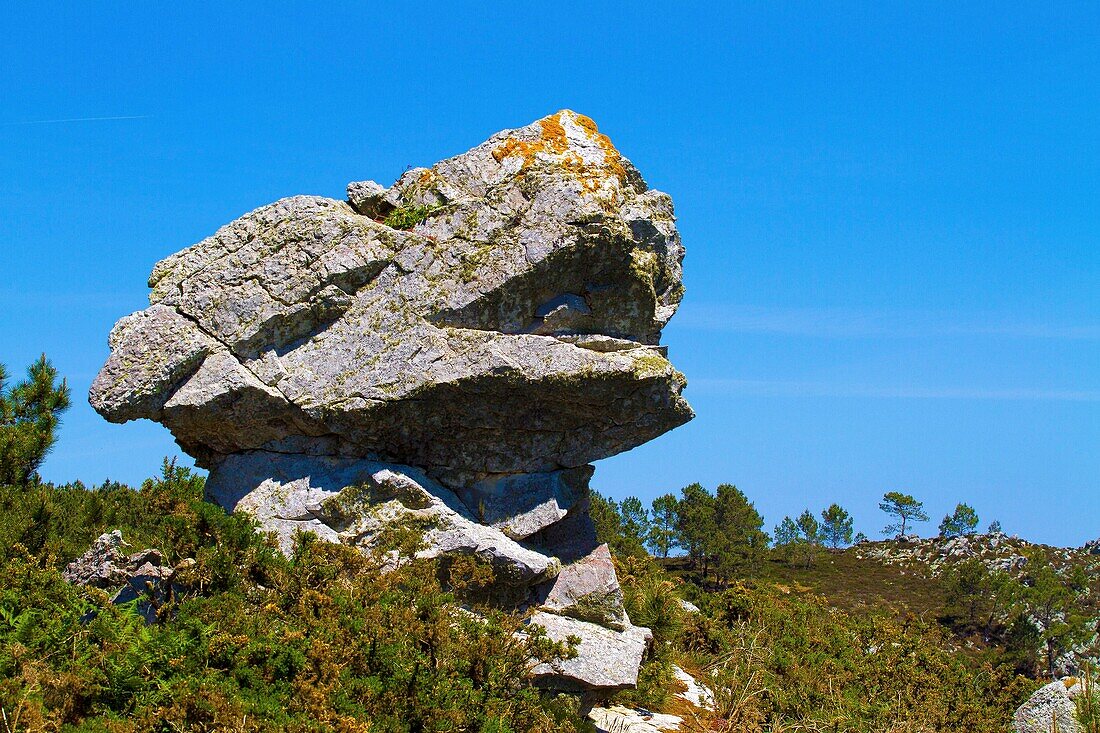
(79, 119)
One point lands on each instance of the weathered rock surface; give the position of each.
(522, 504)
(588, 590)
(620, 719)
(606, 659)
(129, 576)
(1051, 708)
(354, 501)
(451, 351)
(512, 330)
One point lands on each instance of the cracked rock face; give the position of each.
(514, 329)
(456, 348)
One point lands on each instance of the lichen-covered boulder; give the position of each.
(588, 590)
(452, 351)
(140, 576)
(513, 328)
(1051, 708)
(606, 660)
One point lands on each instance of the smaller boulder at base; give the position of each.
(1051, 708)
(588, 590)
(141, 576)
(606, 660)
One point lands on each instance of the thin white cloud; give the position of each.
(851, 323)
(80, 119)
(779, 388)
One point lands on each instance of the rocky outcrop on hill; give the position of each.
(453, 350)
(934, 555)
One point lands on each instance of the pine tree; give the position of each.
(1055, 600)
(635, 521)
(662, 529)
(905, 508)
(785, 533)
(612, 527)
(606, 518)
(836, 526)
(30, 413)
(740, 541)
(810, 536)
(963, 521)
(696, 525)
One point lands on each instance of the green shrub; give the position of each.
(1088, 703)
(406, 217)
(254, 641)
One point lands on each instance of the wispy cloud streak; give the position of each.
(779, 388)
(79, 119)
(847, 323)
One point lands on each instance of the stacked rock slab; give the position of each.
(461, 367)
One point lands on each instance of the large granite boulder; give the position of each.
(453, 350)
(513, 329)
(607, 659)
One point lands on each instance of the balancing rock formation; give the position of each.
(335, 373)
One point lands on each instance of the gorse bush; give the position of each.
(254, 641)
(1088, 702)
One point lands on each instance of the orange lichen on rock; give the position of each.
(612, 159)
(553, 134)
(554, 140)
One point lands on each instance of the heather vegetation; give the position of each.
(795, 630)
(324, 640)
(806, 632)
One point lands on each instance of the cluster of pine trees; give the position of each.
(721, 533)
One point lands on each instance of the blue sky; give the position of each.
(890, 210)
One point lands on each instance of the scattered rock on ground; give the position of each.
(698, 695)
(129, 576)
(620, 719)
(606, 660)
